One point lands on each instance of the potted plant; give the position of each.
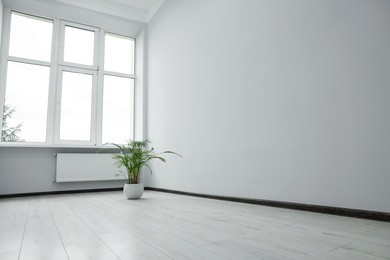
(134, 156)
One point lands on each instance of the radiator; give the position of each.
(74, 167)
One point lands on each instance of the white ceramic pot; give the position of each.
(133, 191)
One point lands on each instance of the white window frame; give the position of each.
(102, 72)
(57, 65)
(5, 58)
(57, 128)
(62, 45)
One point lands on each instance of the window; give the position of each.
(79, 45)
(28, 75)
(81, 92)
(27, 96)
(30, 37)
(116, 48)
(117, 108)
(76, 101)
(118, 88)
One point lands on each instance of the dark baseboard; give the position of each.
(57, 192)
(355, 213)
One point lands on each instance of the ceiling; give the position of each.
(140, 4)
(138, 10)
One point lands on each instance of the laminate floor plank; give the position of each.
(3, 208)
(231, 249)
(39, 216)
(79, 241)
(41, 239)
(82, 244)
(42, 245)
(362, 251)
(12, 225)
(129, 247)
(170, 245)
(168, 226)
(101, 226)
(9, 255)
(121, 242)
(190, 231)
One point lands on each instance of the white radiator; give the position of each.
(73, 167)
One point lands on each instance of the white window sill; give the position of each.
(44, 145)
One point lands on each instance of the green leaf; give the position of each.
(134, 155)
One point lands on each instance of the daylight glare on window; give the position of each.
(27, 98)
(30, 37)
(117, 109)
(76, 106)
(119, 54)
(79, 46)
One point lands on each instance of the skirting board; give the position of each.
(57, 192)
(355, 213)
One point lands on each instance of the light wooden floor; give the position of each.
(165, 226)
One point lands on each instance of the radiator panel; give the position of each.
(76, 167)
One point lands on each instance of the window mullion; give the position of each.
(57, 117)
(99, 96)
(94, 107)
(3, 61)
(58, 84)
(118, 74)
(95, 90)
(77, 66)
(30, 61)
(53, 89)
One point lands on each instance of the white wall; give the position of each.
(280, 100)
(1, 20)
(27, 170)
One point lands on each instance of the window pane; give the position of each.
(79, 45)
(30, 37)
(76, 97)
(26, 103)
(118, 99)
(119, 54)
